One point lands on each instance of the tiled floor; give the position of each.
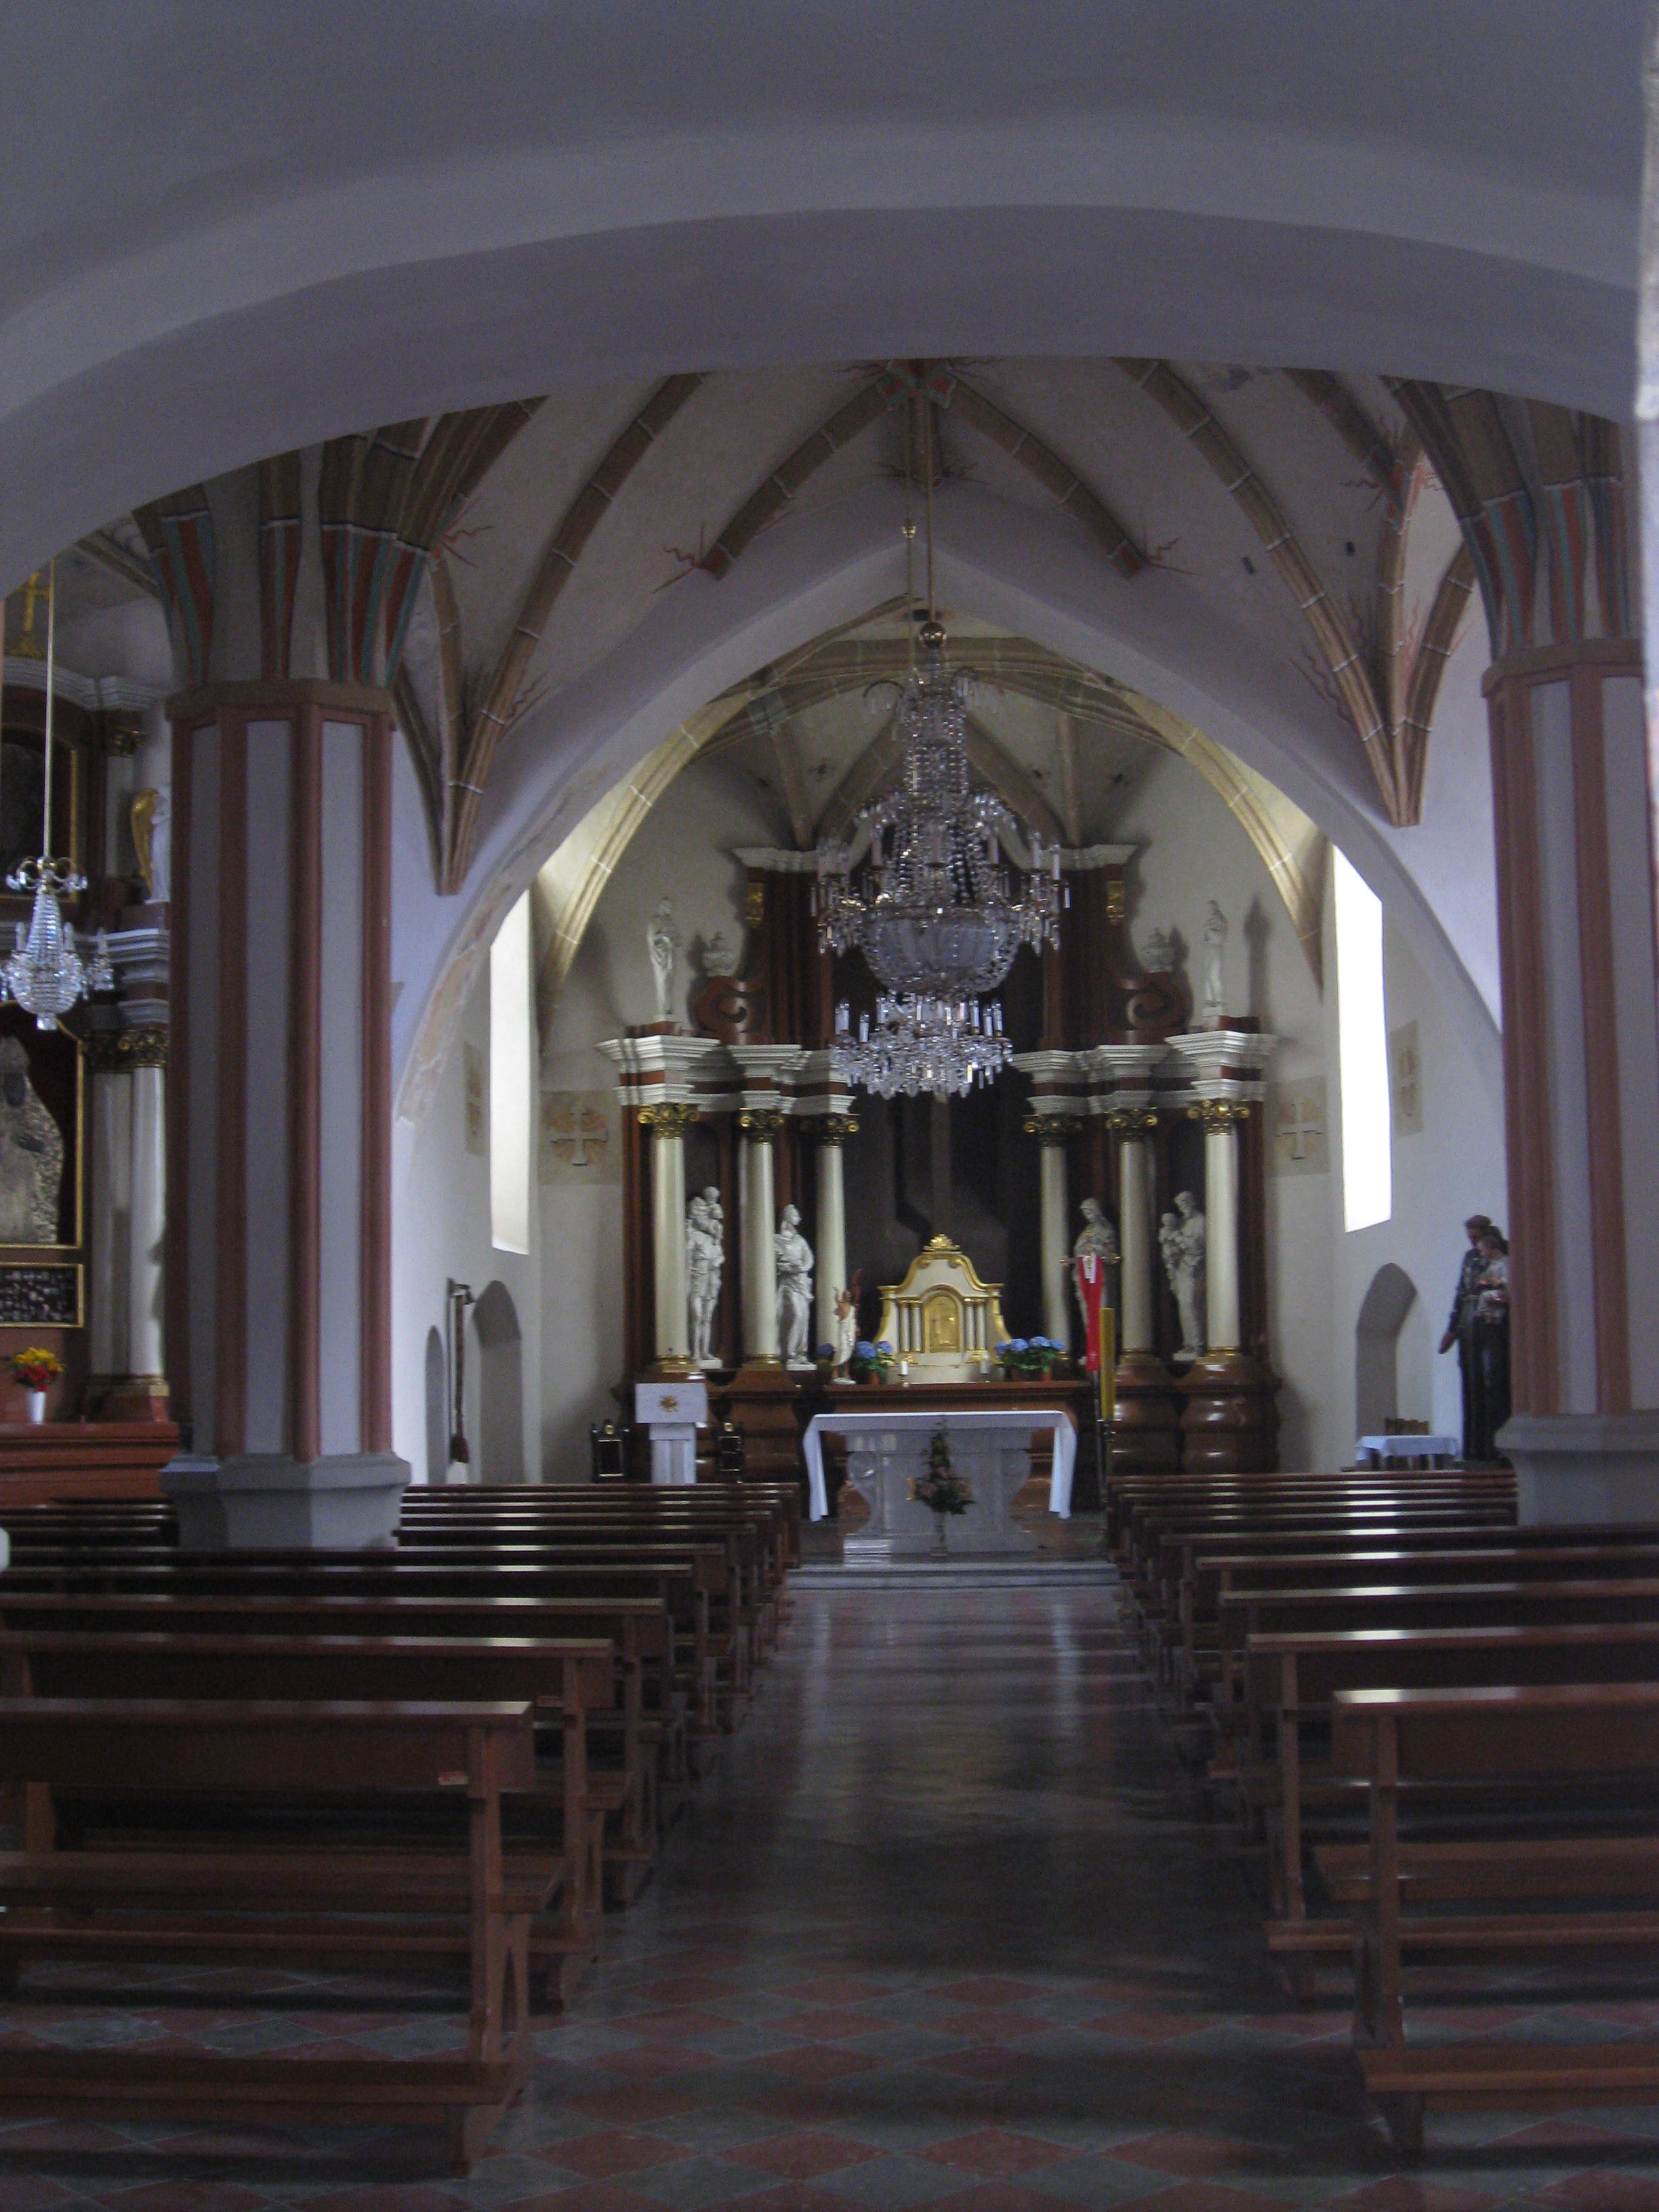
(949, 1927)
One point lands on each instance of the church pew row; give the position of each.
(635, 1753)
(456, 1893)
(1130, 1495)
(563, 1681)
(1526, 1898)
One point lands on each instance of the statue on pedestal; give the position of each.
(705, 1265)
(792, 1257)
(663, 942)
(1214, 1010)
(1181, 1239)
(1097, 1236)
(846, 1326)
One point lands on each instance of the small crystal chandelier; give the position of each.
(46, 975)
(924, 888)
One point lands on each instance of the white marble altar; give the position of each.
(990, 1447)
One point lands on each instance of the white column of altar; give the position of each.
(829, 1238)
(760, 1286)
(670, 1324)
(1053, 1133)
(1220, 1117)
(1134, 1209)
(147, 1228)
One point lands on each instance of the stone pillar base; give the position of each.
(1584, 1468)
(1146, 1424)
(1230, 1425)
(135, 1398)
(265, 1501)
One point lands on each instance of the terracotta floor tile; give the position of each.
(615, 2151)
(1408, 2192)
(821, 2062)
(802, 2156)
(995, 2153)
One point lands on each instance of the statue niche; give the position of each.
(941, 1322)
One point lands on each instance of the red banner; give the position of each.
(1091, 1289)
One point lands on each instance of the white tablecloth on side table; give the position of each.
(1009, 1420)
(1392, 1447)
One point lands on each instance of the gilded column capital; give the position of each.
(118, 1052)
(1131, 1121)
(1052, 1128)
(1219, 1113)
(761, 1123)
(831, 1128)
(668, 1119)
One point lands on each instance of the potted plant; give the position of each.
(870, 1362)
(938, 1487)
(35, 1369)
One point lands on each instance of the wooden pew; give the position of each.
(564, 1680)
(230, 1910)
(1529, 1901)
(637, 1777)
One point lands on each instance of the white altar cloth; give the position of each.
(992, 1420)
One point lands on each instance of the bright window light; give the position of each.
(1361, 1029)
(509, 1082)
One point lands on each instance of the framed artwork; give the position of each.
(41, 1139)
(50, 1294)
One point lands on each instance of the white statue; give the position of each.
(1097, 1238)
(31, 1154)
(1181, 1239)
(1160, 953)
(151, 815)
(1214, 1008)
(705, 1265)
(793, 1257)
(662, 941)
(846, 1328)
(719, 958)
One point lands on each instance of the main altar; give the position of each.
(768, 1207)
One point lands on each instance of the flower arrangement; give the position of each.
(35, 1367)
(871, 1362)
(938, 1487)
(1031, 1355)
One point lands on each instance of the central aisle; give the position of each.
(950, 1927)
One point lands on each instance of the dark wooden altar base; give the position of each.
(82, 1458)
(1147, 1422)
(1229, 1419)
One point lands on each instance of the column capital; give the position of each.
(761, 1123)
(1052, 1128)
(1219, 1113)
(828, 1128)
(668, 1119)
(1131, 1121)
(276, 695)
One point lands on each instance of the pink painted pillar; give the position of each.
(1581, 1068)
(279, 1115)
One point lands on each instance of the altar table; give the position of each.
(975, 1431)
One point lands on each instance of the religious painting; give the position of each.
(1298, 1131)
(472, 1101)
(580, 1139)
(40, 1076)
(1406, 1080)
(47, 1296)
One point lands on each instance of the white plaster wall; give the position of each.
(440, 1229)
(1454, 1168)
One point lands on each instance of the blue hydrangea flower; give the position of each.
(882, 1345)
(865, 1351)
(1017, 1344)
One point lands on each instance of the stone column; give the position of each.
(1146, 1421)
(146, 1387)
(830, 1228)
(1221, 1117)
(279, 1115)
(756, 1129)
(1230, 1421)
(1581, 1077)
(1054, 1132)
(671, 1332)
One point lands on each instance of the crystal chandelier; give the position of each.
(939, 886)
(46, 975)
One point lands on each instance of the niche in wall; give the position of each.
(500, 1386)
(1380, 1332)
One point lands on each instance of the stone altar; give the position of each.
(990, 1448)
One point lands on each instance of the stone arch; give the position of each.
(1378, 1329)
(500, 1386)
